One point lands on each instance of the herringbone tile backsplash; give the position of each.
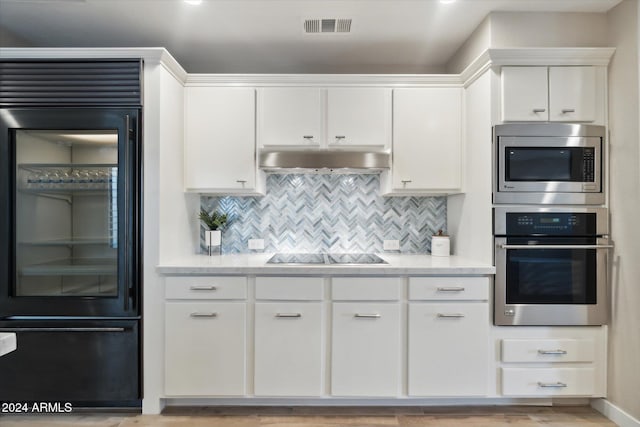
(328, 213)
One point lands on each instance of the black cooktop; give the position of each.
(319, 258)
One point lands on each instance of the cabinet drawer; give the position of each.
(206, 287)
(548, 350)
(449, 288)
(533, 382)
(366, 288)
(290, 288)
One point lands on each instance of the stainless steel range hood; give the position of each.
(324, 161)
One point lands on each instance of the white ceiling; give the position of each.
(266, 36)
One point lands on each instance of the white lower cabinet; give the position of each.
(448, 349)
(552, 361)
(205, 348)
(536, 382)
(365, 349)
(288, 349)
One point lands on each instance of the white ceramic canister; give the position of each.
(440, 244)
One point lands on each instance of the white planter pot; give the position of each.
(212, 239)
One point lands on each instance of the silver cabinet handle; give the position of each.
(546, 352)
(405, 181)
(568, 110)
(289, 315)
(241, 181)
(552, 385)
(198, 314)
(340, 137)
(308, 137)
(539, 110)
(203, 288)
(556, 246)
(450, 315)
(367, 316)
(451, 289)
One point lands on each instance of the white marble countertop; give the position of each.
(7, 342)
(398, 264)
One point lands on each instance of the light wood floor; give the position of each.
(493, 416)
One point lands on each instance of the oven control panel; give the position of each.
(546, 223)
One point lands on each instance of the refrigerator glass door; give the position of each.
(70, 224)
(66, 212)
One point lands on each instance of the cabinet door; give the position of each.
(359, 117)
(290, 117)
(205, 349)
(427, 139)
(446, 338)
(572, 94)
(365, 352)
(288, 349)
(525, 94)
(219, 139)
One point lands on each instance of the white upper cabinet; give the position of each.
(219, 146)
(324, 118)
(290, 117)
(560, 94)
(572, 94)
(427, 141)
(359, 117)
(525, 94)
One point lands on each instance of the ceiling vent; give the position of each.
(326, 26)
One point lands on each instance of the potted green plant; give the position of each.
(214, 222)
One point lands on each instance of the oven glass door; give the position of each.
(551, 276)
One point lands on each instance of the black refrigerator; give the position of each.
(70, 252)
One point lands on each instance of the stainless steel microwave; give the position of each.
(549, 163)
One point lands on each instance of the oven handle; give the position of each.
(504, 246)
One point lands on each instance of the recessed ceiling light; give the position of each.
(193, 2)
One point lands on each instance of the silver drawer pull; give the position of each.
(241, 181)
(289, 315)
(308, 137)
(203, 288)
(367, 315)
(552, 385)
(451, 315)
(539, 110)
(405, 181)
(568, 110)
(198, 314)
(339, 137)
(545, 352)
(451, 289)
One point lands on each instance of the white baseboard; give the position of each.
(615, 414)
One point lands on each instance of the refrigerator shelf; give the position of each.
(68, 242)
(73, 267)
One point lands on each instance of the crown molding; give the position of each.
(152, 55)
(323, 80)
(598, 56)
(551, 56)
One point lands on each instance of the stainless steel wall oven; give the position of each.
(549, 163)
(551, 266)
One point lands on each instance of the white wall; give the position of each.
(9, 39)
(478, 42)
(547, 29)
(624, 115)
(469, 215)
